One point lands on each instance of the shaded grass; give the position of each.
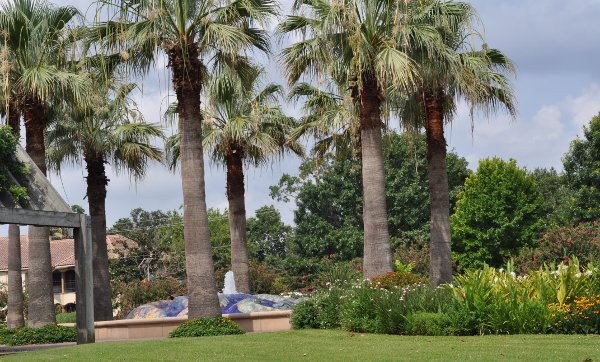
(66, 317)
(333, 346)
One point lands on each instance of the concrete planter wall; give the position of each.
(161, 327)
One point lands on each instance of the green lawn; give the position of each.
(333, 346)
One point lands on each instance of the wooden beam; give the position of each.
(39, 218)
(84, 292)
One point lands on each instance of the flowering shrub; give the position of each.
(580, 315)
(398, 279)
(499, 301)
(133, 294)
(266, 281)
(559, 299)
(416, 253)
(561, 244)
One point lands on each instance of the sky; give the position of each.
(553, 43)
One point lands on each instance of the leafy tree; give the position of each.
(582, 171)
(557, 197)
(220, 239)
(329, 205)
(267, 234)
(159, 238)
(497, 213)
(188, 32)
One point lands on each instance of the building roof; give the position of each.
(63, 251)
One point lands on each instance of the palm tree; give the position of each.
(113, 132)
(365, 39)
(36, 41)
(188, 32)
(330, 118)
(15, 302)
(243, 124)
(478, 77)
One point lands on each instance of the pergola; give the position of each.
(45, 207)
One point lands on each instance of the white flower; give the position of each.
(512, 274)
(578, 275)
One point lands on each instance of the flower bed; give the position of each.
(564, 299)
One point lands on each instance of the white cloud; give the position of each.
(585, 106)
(537, 141)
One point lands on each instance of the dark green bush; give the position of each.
(304, 315)
(200, 327)
(429, 324)
(46, 334)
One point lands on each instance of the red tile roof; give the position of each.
(63, 251)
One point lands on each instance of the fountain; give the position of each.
(229, 284)
(230, 300)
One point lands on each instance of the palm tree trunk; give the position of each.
(41, 296)
(237, 219)
(377, 255)
(187, 82)
(14, 118)
(440, 270)
(14, 319)
(96, 194)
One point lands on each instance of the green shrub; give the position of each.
(429, 324)
(66, 317)
(200, 327)
(398, 279)
(46, 334)
(133, 294)
(369, 308)
(304, 315)
(4, 332)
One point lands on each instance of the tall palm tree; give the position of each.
(188, 32)
(477, 76)
(243, 124)
(365, 39)
(111, 131)
(15, 303)
(35, 37)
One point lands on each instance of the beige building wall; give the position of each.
(59, 298)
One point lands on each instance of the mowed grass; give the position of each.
(320, 345)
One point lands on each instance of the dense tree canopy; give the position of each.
(582, 171)
(498, 212)
(329, 215)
